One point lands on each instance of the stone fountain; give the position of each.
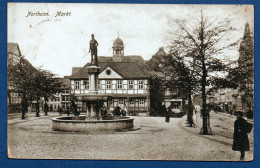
(93, 120)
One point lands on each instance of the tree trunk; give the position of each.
(37, 108)
(190, 111)
(205, 113)
(23, 107)
(205, 124)
(45, 107)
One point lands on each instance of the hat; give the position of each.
(239, 113)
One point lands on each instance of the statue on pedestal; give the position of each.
(93, 50)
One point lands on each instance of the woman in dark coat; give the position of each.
(241, 142)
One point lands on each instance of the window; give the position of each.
(108, 71)
(65, 105)
(131, 101)
(57, 99)
(175, 106)
(141, 102)
(65, 91)
(86, 84)
(65, 98)
(77, 84)
(120, 101)
(108, 84)
(130, 84)
(140, 84)
(119, 84)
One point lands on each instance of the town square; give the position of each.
(130, 83)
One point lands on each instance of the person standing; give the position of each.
(68, 110)
(167, 115)
(240, 138)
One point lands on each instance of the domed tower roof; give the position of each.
(118, 43)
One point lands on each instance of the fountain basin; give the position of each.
(79, 124)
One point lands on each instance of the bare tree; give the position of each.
(201, 41)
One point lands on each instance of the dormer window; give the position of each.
(108, 71)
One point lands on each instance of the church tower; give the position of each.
(118, 49)
(246, 64)
(246, 51)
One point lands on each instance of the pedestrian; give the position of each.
(125, 110)
(68, 111)
(117, 111)
(240, 138)
(105, 111)
(60, 110)
(167, 116)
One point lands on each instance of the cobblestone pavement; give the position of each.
(33, 138)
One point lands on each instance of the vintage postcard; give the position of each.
(130, 81)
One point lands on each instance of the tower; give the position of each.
(118, 49)
(246, 64)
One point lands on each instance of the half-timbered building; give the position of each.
(121, 77)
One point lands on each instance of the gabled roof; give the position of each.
(128, 58)
(131, 67)
(129, 70)
(75, 69)
(65, 82)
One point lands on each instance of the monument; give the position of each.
(93, 69)
(94, 101)
(93, 50)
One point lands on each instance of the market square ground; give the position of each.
(33, 138)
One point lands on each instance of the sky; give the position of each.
(60, 43)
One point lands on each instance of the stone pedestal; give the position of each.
(93, 71)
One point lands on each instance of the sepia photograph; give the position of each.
(167, 82)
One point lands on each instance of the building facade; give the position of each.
(14, 57)
(157, 63)
(62, 99)
(13, 99)
(121, 77)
